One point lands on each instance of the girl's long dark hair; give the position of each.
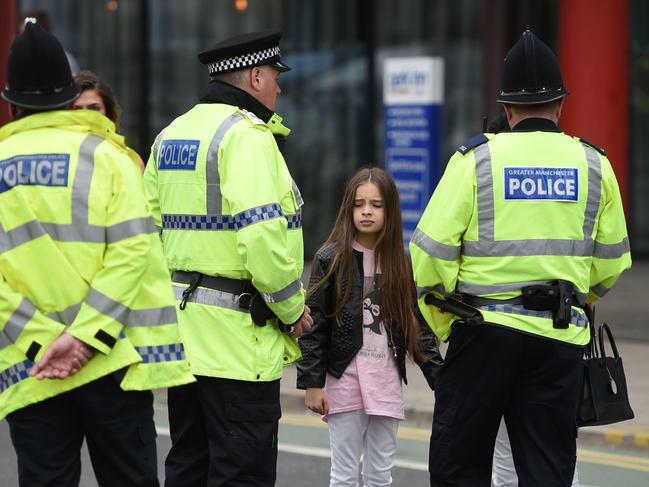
(397, 295)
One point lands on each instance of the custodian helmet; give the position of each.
(38, 72)
(531, 73)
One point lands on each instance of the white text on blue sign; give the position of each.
(178, 155)
(34, 170)
(542, 183)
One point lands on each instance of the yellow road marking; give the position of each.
(627, 462)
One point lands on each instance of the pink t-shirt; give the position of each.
(371, 382)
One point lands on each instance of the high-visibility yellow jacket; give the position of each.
(522, 208)
(227, 206)
(79, 251)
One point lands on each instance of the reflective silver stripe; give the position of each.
(75, 232)
(4, 340)
(485, 289)
(213, 204)
(161, 353)
(24, 233)
(485, 193)
(434, 248)
(576, 318)
(156, 145)
(83, 178)
(600, 290)
(79, 230)
(19, 319)
(67, 316)
(210, 297)
(521, 248)
(422, 291)
(487, 247)
(127, 316)
(130, 228)
(582, 298)
(298, 197)
(594, 191)
(283, 294)
(611, 251)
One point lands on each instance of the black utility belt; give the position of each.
(558, 297)
(248, 297)
(238, 287)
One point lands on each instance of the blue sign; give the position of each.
(413, 91)
(178, 155)
(542, 183)
(34, 170)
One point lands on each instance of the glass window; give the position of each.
(639, 128)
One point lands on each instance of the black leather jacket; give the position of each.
(330, 347)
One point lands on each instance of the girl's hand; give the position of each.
(316, 400)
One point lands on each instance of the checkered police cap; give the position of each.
(244, 51)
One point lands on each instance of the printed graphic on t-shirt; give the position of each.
(374, 336)
(372, 315)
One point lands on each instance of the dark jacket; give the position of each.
(330, 347)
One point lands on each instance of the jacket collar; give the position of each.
(536, 125)
(85, 121)
(220, 92)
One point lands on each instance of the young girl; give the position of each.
(362, 300)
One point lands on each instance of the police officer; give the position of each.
(526, 226)
(85, 299)
(230, 218)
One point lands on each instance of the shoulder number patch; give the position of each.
(542, 183)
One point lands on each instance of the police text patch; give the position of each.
(542, 183)
(178, 155)
(34, 170)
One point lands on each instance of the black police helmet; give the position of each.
(531, 73)
(38, 72)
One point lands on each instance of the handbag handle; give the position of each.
(604, 328)
(591, 350)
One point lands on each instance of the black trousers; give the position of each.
(223, 432)
(491, 371)
(117, 426)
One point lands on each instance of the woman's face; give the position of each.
(89, 100)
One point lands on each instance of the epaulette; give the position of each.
(472, 143)
(590, 144)
(252, 117)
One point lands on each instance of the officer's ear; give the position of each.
(558, 109)
(14, 110)
(256, 76)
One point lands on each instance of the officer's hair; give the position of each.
(535, 108)
(21, 112)
(235, 78)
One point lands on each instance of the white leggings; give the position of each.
(503, 473)
(354, 433)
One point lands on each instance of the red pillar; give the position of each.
(594, 48)
(8, 30)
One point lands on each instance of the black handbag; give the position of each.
(604, 397)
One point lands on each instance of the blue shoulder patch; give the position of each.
(472, 143)
(590, 144)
